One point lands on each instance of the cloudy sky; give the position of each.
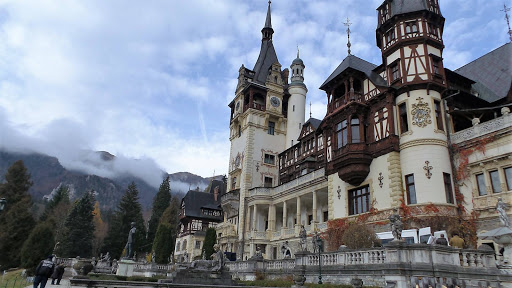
(151, 80)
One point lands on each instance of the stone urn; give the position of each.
(83, 267)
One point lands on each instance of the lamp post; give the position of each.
(319, 249)
(2, 203)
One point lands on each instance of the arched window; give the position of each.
(184, 246)
(354, 126)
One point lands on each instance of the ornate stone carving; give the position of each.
(420, 113)
(427, 168)
(380, 179)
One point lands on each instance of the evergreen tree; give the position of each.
(61, 195)
(209, 240)
(38, 246)
(160, 203)
(16, 220)
(79, 233)
(129, 210)
(165, 238)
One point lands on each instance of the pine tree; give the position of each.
(165, 238)
(129, 210)
(79, 233)
(39, 245)
(61, 195)
(160, 203)
(209, 240)
(16, 220)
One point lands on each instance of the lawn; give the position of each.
(13, 279)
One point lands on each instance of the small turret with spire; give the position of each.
(267, 31)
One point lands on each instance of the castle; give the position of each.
(406, 133)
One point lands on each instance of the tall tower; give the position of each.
(258, 127)
(296, 102)
(409, 34)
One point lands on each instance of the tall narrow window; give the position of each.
(239, 130)
(495, 181)
(480, 181)
(448, 188)
(359, 200)
(439, 116)
(271, 127)
(411, 27)
(341, 134)
(268, 182)
(410, 189)
(354, 127)
(404, 124)
(508, 177)
(394, 72)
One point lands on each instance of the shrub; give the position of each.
(358, 236)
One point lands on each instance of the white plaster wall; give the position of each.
(380, 194)
(271, 144)
(395, 55)
(433, 50)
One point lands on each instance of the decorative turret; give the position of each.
(296, 102)
(267, 31)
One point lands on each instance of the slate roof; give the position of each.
(315, 122)
(195, 200)
(358, 64)
(492, 73)
(405, 6)
(265, 60)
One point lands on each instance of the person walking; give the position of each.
(57, 274)
(442, 241)
(43, 271)
(456, 241)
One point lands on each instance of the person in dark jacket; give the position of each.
(442, 241)
(57, 274)
(43, 271)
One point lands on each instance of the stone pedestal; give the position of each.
(125, 267)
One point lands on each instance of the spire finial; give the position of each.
(310, 115)
(298, 51)
(505, 9)
(348, 34)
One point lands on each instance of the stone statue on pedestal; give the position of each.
(302, 238)
(129, 243)
(396, 225)
(501, 208)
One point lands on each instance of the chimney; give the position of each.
(216, 193)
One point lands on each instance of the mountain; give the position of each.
(47, 174)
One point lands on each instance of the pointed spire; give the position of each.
(267, 31)
(506, 9)
(348, 34)
(298, 51)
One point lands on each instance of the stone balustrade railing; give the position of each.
(374, 256)
(476, 258)
(262, 191)
(482, 129)
(282, 265)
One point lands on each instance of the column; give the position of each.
(299, 222)
(254, 217)
(285, 215)
(271, 217)
(314, 207)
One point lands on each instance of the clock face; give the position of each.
(275, 101)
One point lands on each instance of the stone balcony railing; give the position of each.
(262, 191)
(482, 129)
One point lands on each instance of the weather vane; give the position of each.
(348, 33)
(505, 9)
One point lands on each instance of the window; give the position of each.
(341, 133)
(293, 108)
(354, 126)
(390, 35)
(410, 189)
(402, 111)
(271, 126)
(508, 177)
(178, 246)
(448, 188)
(326, 216)
(439, 116)
(480, 181)
(310, 219)
(411, 27)
(270, 159)
(239, 130)
(198, 245)
(184, 245)
(435, 66)
(268, 182)
(359, 200)
(432, 29)
(395, 72)
(233, 183)
(495, 181)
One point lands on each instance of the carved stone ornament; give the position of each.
(420, 113)
(427, 168)
(339, 192)
(380, 179)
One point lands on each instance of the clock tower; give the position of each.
(258, 128)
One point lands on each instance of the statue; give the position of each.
(153, 257)
(501, 208)
(285, 249)
(129, 244)
(396, 225)
(105, 258)
(302, 238)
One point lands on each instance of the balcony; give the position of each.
(482, 129)
(352, 162)
(255, 105)
(261, 191)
